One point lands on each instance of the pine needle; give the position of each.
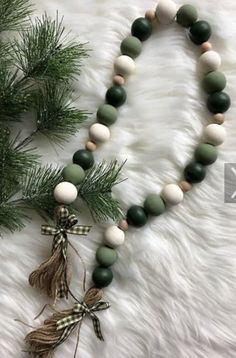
(13, 14)
(12, 217)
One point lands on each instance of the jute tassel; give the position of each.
(56, 329)
(54, 275)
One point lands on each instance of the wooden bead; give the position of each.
(154, 205)
(116, 96)
(65, 192)
(194, 172)
(73, 173)
(118, 80)
(206, 154)
(107, 114)
(102, 276)
(185, 186)
(99, 133)
(106, 256)
(186, 15)
(206, 46)
(218, 118)
(218, 102)
(214, 81)
(141, 28)
(91, 146)
(123, 225)
(150, 15)
(84, 158)
(136, 216)
(209, 61)
(172, 194)
(131, 46)
(166, 11)
(214, 134)
(124, 66)
(200, 32)
(114, 236)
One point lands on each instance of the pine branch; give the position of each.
(12, 217)
(45, 51)
(55, 117)
(13, 14)
(96, 191)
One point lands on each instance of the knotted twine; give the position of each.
(54, 275)
(43, 341)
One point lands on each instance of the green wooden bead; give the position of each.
(206, 154)
(214, 81)
(200, 32)
(136, 216)
(154, 205)
(102, 276)
(116, 96)
(194, 172)
(73, 173)
(107, 114)
(186, 15)
(106, 256)
(131, 46)
(141, 28)
(218, 102)
(84, 158)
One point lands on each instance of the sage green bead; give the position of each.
(214, 81)
(206, 154)
(106, 256)
(154, 205)
(102, 276)
(136, 216)
(131, 46)
(186, 15)
(84, 158)
(73, 173)
(107, 114)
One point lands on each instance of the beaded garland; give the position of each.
(218, 102)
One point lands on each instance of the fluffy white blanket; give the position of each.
(174, 288)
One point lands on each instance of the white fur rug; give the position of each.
(174, 288)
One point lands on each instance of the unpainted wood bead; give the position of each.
(214, 134)
(65, 192)
(99, 133)
(114, 236)
(209, 61)
(91, 146)
(123, 225)
(218, 118)
(124, 65)
(166, 11)
(172, 194)
(150, 15)
(185, 186)
(206, 46)
(118, 80)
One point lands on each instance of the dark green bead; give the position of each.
(186, 15)
(106, 256)
(131, 46)
(154, 205)
(107, 114)
(73, 173)
(206, 154)
(102, 276)
(136, 216)
(141, 28)
(116, 96)
(214, 81)
(84, 158)
(194, 172)
(218, 102)
(200, 32)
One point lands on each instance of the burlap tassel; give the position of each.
(43, 341)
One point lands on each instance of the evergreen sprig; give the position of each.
(96, 191)
(12, 217)
(13, 14)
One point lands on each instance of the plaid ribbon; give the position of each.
(65, 224)
(79, 312)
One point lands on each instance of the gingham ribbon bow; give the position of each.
(65, 224)
(79, 312)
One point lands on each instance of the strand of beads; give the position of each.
(218, 102)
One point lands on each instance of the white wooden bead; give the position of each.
(166, 11)
(209, 61)
(114, 236)
(124, 65)
(214, 134)
(99, 133)
(65, 192)
(172, 194)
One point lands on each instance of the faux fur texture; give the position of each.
(174, 288)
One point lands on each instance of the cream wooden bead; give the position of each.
(114, 236)
(209, 61)
(166, 11)
(65, 192)
(214, 134)
(99, 133)
(124, 65)
(172, 194)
